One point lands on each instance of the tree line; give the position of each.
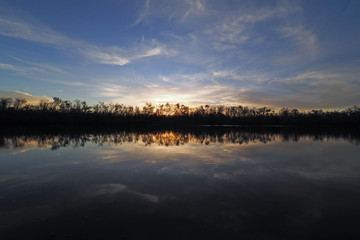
(58, 111)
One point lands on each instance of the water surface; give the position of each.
(211, 183)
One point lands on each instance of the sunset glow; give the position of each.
(256, 53)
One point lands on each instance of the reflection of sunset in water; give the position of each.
(187, 151)
(19, 143)
(222, 176)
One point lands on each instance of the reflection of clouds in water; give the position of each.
(229, 154)
(150, 197)
(307, 158)
(108, 189)
(21, 145)
(212, 182)
(315, 160)
(185, 155)
(113, 189)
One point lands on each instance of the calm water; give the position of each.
(203, 183)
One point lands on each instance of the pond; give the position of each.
(180, 183)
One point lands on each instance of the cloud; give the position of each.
(234, 28)
(195, 7)
(227, 35)
(19, 69)
(40, 69)
(116, 188)
(119, 56)
(228, 74)
(19, 29)
(30, 98)
(113, 90)
(7, 66)
(44, 66)
(304, 42)
(247, 52)
(177, 11)
(143, 13)
(194, 93)
(62, 82)
(328, 88)
(112, 55)
(314, 79)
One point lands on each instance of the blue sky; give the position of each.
(297, 54)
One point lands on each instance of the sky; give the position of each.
(296, 54)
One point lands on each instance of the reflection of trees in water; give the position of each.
(166, 137)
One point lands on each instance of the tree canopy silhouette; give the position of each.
(58, 111)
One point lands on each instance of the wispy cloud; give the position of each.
(120, 56)
(214, 77)
(157, 94)
(235, 27)
(328, 88)
(186, 79)
(27, 70)
(19, 29)
(112, 189)
(19, 69)
(62, 82)
(304, 39)
(7, 66)
(196, 7)
(178, 11)
(112, 55)
(192, 89)
(143, 13)
(44, 66)
(229, 52)
(306, 90)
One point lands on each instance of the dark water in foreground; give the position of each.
(225, 183)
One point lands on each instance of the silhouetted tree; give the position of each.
(19, 102)
(65, 111)
(5, 103)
